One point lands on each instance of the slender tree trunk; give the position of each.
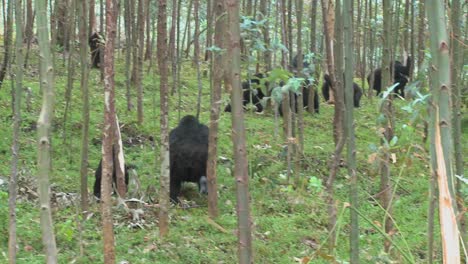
(441, 131)
(387, 126)
(164, 105)
(263, 8)
(128, 52)
(290, 31)
(83, 35)
(370, 92)
(30, 15)
(148, 15)
(16, 133)
(421, 32)
(238, 137)
(188, 29)
(44, 133)
(139, 69)
(300, 104)
(349, 127)
(218, 72)
(108, 132)
(172, 46)
(209, 28)
(457, 65)
(7, 42)
(196, 55)
(313, 49)
(92, 17)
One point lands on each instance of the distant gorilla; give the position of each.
(98, 176)
(96, 43)
(305, 99)
(251, 90)
(188, 147)
(357, 91)
(401, 75)
(296, 60)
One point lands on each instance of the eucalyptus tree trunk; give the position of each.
(28, 30)
(83, 36)
(70, 33)
(387, 125)
(148, 27)
(289, 31)
(244, 224)
(92, 17)
(172, 46)
(128, 52)
(12, 187)
(209, 28)
(300, 104)
(313, 49)
(139, 60)
(8, 36)
(372, 38)
(364, 25)
(44, 132)
(162, 55)
(263, 8)
(218, 72)
(358, 36)
(108, 132)
(421, 32)
(349, 127)
(457, 65)
(441, 131)
(196, 53)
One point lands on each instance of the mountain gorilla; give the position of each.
(400, 75)
(188, 148)
(305, 99)
(251, 90)
(357, 91)
(96, 45)
(98, 176)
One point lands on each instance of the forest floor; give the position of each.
(289, 225)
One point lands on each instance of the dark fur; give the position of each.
(188, 147)
(357, 91)
(98, 176)
(305, 99)
(401, 75)
(252, 91)
(96, 44)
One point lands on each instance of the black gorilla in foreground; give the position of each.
(96, 43)
(98, 176)
(251, 90)
(188, 147)
(401, 75)
(305, 99)
(357, 91)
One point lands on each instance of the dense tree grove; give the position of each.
(204, 131)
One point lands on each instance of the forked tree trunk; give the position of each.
(244, 224)
(44, 132)
(441, 131)
(164, 106)
(108, 132)
(16, 133)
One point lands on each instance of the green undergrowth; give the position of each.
(287, 224)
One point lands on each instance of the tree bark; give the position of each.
(16, 133)
(44, 133)
(196, 55)
(441, 131)
(238, 136)
(139, 61)
(108, 132)
(83, 35)
(218, 72)
(7, 42)
(128, 52)
(164, 106)
(349, 127)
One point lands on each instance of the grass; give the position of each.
(287, 224)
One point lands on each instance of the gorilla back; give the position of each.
(188, 147)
